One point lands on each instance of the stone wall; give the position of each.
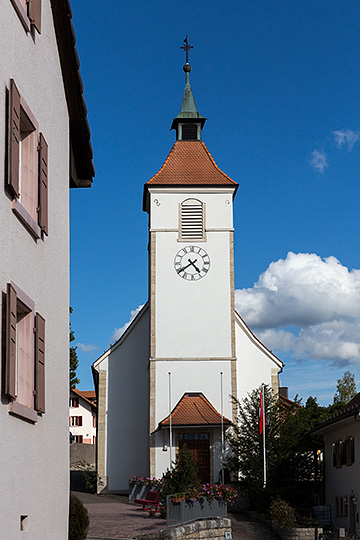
(287, 533)
(82, 456)
(209, 529)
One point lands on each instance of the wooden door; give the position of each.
(200, 449)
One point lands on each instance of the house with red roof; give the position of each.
(170, 378)
(82, 416)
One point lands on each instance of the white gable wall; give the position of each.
(254, 362)
(127, 409)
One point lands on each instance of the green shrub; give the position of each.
(78, 519)
(282, 514)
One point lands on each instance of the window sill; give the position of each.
(16, 409)
(27, 220)
(22, 14)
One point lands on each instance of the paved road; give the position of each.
(113, 518)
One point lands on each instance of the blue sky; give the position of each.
(279, 84)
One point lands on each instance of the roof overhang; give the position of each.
(81, 163)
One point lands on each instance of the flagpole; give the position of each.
(222, 427)
(263, 426)
(170, 426)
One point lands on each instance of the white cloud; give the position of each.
(86, 348)
(319, 161)
(319, 297)
(347, 138)
(337, 341)
(118, 332)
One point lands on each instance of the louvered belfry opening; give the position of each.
(189, 132)
(192, 220)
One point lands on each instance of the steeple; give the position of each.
(189, 122)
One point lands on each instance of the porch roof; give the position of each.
(194, 409)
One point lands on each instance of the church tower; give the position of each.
(191, 273)
(169, 378)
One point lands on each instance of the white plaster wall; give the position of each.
(193, 319)
(254, 365)
(34, 459)
(127, 414)
(344, 481)
(164, 206)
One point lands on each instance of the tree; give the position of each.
(74, 361)
(345, 390)
(246, 443)
(291, 451)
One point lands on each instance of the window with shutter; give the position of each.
(29, 12)
(25, 354)
(192, 225)
(27, 176)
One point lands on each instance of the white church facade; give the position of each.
(169, 379)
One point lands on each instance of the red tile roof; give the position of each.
(194, 409)
(90, 394)
(190, 163)
(87, 395)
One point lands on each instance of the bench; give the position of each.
(151, 502)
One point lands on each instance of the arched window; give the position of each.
(192, 226)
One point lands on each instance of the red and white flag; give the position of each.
(261, 412)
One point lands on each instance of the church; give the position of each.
(169, 379)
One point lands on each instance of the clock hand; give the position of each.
(194, 265)
(187, 266)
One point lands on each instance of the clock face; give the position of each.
(192, 263)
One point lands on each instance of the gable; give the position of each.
(247, 336)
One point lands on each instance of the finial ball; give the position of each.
(187, 68)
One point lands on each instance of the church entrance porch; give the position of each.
(199, 445)
(193, 421)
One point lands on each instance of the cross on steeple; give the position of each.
(186, 47)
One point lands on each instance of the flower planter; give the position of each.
(186, 511)
(178, 499)
(138, 491)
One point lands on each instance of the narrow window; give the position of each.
(337, 506)
(333, 448)
(349, 451)
(28, 165)
(74, 402)
(29, 12)
(25, 354)
(192, 220)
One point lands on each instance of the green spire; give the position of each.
(188, 114)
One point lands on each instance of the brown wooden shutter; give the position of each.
(43, 184)
(14, 139)
(11, 320)
(35, 14)
(39, 363)
(80, 420)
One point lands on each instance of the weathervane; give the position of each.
(186, 47)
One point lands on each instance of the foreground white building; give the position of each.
(187, 351)
(342, 466)
(44, 147)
